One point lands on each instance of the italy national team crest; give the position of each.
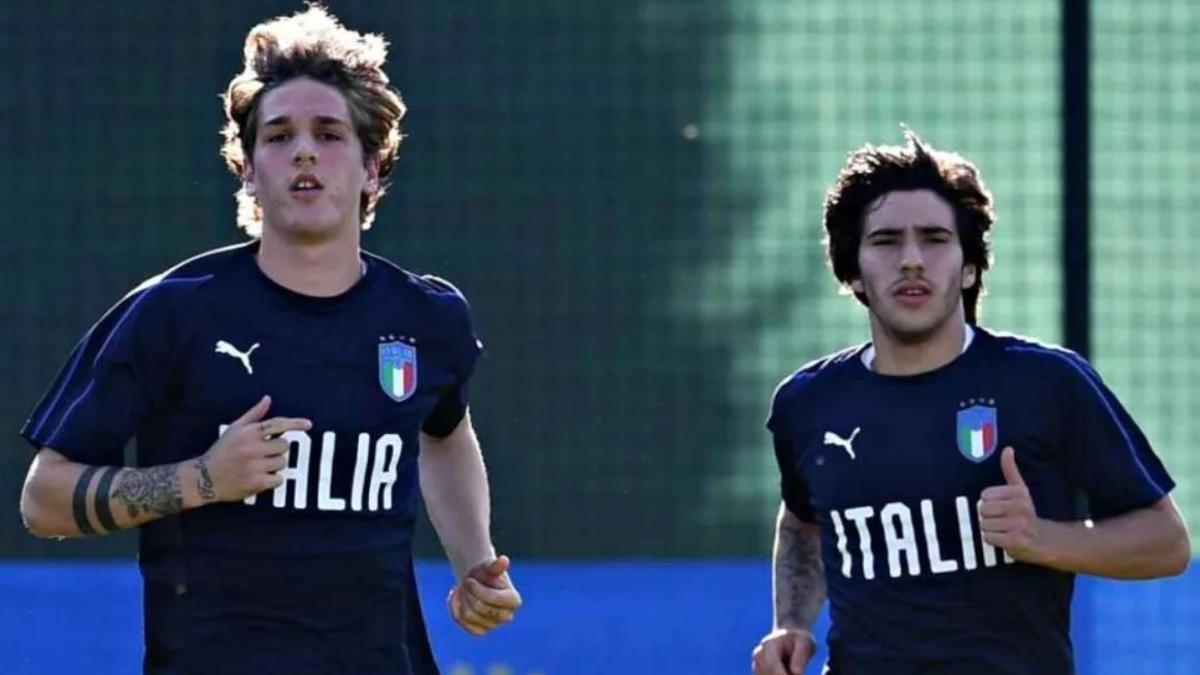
(398, 370)
(977, 432)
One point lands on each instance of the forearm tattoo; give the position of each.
(153, 490)
(204, 484)
(799, 577)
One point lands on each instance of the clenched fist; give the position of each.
(785, 651)
(486, 598)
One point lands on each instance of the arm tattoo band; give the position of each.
(102, 503)
(79, 500)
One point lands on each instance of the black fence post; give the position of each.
(1076, 175)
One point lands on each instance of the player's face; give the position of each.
(911, 264)
(307, 170)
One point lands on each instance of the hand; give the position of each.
(785, 651)
(248, 458)
(486, 598)
(1006, 514)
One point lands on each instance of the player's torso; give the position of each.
(895, 468)
(366, 374)
(365, 387)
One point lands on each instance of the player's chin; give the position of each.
(311, 225)
(313, 219)
(910, 326)
(916, 324)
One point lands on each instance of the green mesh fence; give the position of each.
(1146, 286)
(809, 82)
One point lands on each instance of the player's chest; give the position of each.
(916, 444)
(347, 374)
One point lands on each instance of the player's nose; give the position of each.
(304, 155)
(911, 258)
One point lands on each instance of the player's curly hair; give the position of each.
(313, 44)
(872, 171)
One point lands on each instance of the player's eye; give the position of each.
(329, 136)
(278, 137)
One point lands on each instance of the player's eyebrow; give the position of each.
(885, 231)
(326, 120)
(932, 228)
(896, 230)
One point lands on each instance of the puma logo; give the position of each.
(224, 347)
(846, 443)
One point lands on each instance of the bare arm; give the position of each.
(799, 589)
(1142, 544)
(62, 498)
(799, 576)
(455, 488)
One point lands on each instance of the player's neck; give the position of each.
(321, 269)
(894, 356)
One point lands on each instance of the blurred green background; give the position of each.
(629, 192)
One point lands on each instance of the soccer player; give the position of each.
(945, 482)
(291, 399)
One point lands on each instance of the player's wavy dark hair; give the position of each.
(313, 44)
(872, 171)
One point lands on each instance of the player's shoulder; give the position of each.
(154, 308)
(1037, 357)
(427, 295)
(818, 374)
(429, 287)
(173, 288)
(439, 289)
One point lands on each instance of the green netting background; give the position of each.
(630, 194)
(1146, 285)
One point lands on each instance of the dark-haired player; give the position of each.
(944, 483)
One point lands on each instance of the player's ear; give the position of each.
(969, 275)
(248, 179)
(856, 285)
(371, 184)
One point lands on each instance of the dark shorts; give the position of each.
(333, 615)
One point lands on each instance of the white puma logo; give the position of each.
(847, 443)
(224, 347)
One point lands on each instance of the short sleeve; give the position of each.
(1109, 454)
(791, 480)
(464, 349)
(116, 376)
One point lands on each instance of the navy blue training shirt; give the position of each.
(191, 350)
(891, 468)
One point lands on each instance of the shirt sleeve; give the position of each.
(1110, 455)
(465, 348)
(116, 376)
(791, 480)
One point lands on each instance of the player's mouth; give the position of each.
(912, 293)
(306, 186)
